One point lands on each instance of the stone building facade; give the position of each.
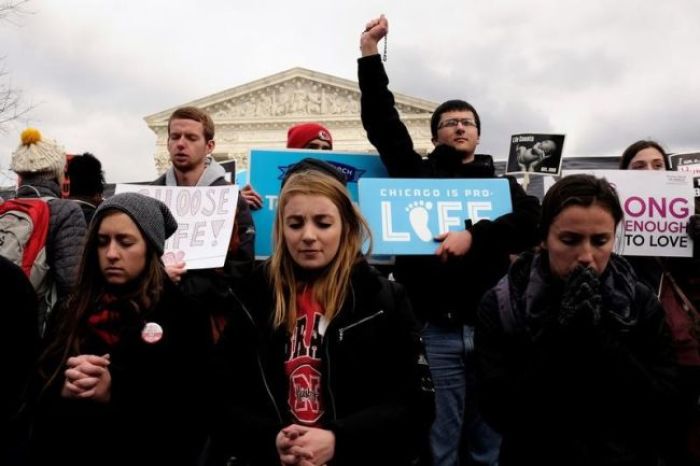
(258, 114)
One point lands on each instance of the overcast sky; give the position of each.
(605, 73)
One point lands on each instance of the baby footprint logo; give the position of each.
(418, 217)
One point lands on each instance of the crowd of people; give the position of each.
(521, 340)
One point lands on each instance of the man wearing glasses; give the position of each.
(445, 289)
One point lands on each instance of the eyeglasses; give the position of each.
(453, 122)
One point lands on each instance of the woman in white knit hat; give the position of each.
(39, 164)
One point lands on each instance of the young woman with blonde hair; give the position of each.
(325, 363)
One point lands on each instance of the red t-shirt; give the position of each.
(303, 364)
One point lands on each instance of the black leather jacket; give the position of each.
(376, 383)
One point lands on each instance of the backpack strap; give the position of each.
(686, 304)
(505, 306)
(38, 194)
(36, 191)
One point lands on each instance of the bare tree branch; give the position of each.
(11, 9)
(12, 105)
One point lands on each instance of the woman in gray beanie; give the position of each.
(151, 216)
(116, 376)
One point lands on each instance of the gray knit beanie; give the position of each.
(151, 216)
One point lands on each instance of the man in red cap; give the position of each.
(313, 136)
(309, 136)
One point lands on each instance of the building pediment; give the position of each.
(258, 114)
(291, 96)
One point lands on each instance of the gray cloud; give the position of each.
(605, 74)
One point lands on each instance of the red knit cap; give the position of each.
(300, 135)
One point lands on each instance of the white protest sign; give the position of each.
(689, 163)
(656, 207)
(205, 218)
(686, 162)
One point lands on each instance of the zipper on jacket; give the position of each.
(326, 344)
(342, 331)
(330, 388)
(260, 366)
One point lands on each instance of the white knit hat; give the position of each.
(35, 155)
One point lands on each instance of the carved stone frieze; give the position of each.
(298, 97)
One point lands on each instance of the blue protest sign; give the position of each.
(242, 178)
(405, 215)
(268, 166)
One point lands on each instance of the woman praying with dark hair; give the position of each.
(575, 358)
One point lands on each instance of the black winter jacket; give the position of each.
(157, 411)
(440, 290)
(587, 395)
(376, 383)
(212, 287)
(19, 347)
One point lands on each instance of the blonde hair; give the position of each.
(331, 286)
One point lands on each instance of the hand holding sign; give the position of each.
(252, 198)
(694, 227)
(454, 243)
(175, 266)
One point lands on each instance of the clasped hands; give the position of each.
(305, 446)
(87, 377)
(582, 301)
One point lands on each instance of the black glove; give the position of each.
(694, 227)
(581, 301)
